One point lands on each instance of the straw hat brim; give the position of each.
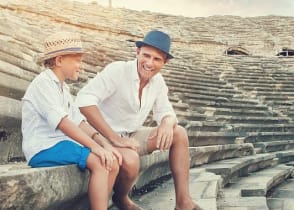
(42, 57)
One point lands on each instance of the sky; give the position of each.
(204, 8)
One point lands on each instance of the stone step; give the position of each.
(203, 126)
(172, 83)
(255, 137)
(204, 188)
(227, 119)
(12, 87)
(10, 130)
(247, 203)
(258, 127)
(274, 146)
(231, 169)
(18, 179)
(260, 182)
(202, 138)
(194, 77)
(207, 154)
(208, 103)
(237, 127)
(25, 188)
(285, 156)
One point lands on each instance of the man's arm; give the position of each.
(95, 118)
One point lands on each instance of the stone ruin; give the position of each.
(238, 109)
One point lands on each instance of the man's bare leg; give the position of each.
(126, 178)
(180, 164)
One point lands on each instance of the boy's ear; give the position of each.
(58, 60)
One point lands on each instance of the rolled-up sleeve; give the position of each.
(77, 117)
(48, 104)
(100, 87)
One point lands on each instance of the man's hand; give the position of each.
(165, 133)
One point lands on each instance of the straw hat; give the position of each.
(61, 43)
(157, 39)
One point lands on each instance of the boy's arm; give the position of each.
(74, 132)
(91, 132)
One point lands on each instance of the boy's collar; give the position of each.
(51, 74)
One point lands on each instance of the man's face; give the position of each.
(71, 66)
(150, 61)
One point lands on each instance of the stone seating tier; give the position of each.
(29, 186)
(255, 185)
(205, 86)
(238, 127)
(232, 169)
(274, 146)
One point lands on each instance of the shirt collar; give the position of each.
(51, 75)
(135, 75)
(54, 78)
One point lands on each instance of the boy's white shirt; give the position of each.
(44, 104)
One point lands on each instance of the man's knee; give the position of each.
(180, 134)
(131, 162)
(115, 167)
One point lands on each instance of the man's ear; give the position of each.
(138, 51)
(166, 61)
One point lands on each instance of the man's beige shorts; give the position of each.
(142, 135)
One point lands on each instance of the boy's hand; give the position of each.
(105, 156)
(114, 151)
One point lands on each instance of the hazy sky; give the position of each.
(203, 8)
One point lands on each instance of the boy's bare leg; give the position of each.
(98, 183)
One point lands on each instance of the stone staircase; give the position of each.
(238, 110)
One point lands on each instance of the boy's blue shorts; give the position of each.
(63, 153)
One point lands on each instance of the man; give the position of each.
(117, 102)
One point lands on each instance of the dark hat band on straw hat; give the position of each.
(61, 43)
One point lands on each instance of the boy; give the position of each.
(54, 131)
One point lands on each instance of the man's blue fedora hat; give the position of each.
(158, 40)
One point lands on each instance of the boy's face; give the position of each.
(71, 66)
(150, 61)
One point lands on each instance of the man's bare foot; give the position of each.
(188, 204)
(194, 208)
(125, 203)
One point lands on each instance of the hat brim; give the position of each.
(43, 57)
(141, 43)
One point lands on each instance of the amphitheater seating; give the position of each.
(238, 110)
